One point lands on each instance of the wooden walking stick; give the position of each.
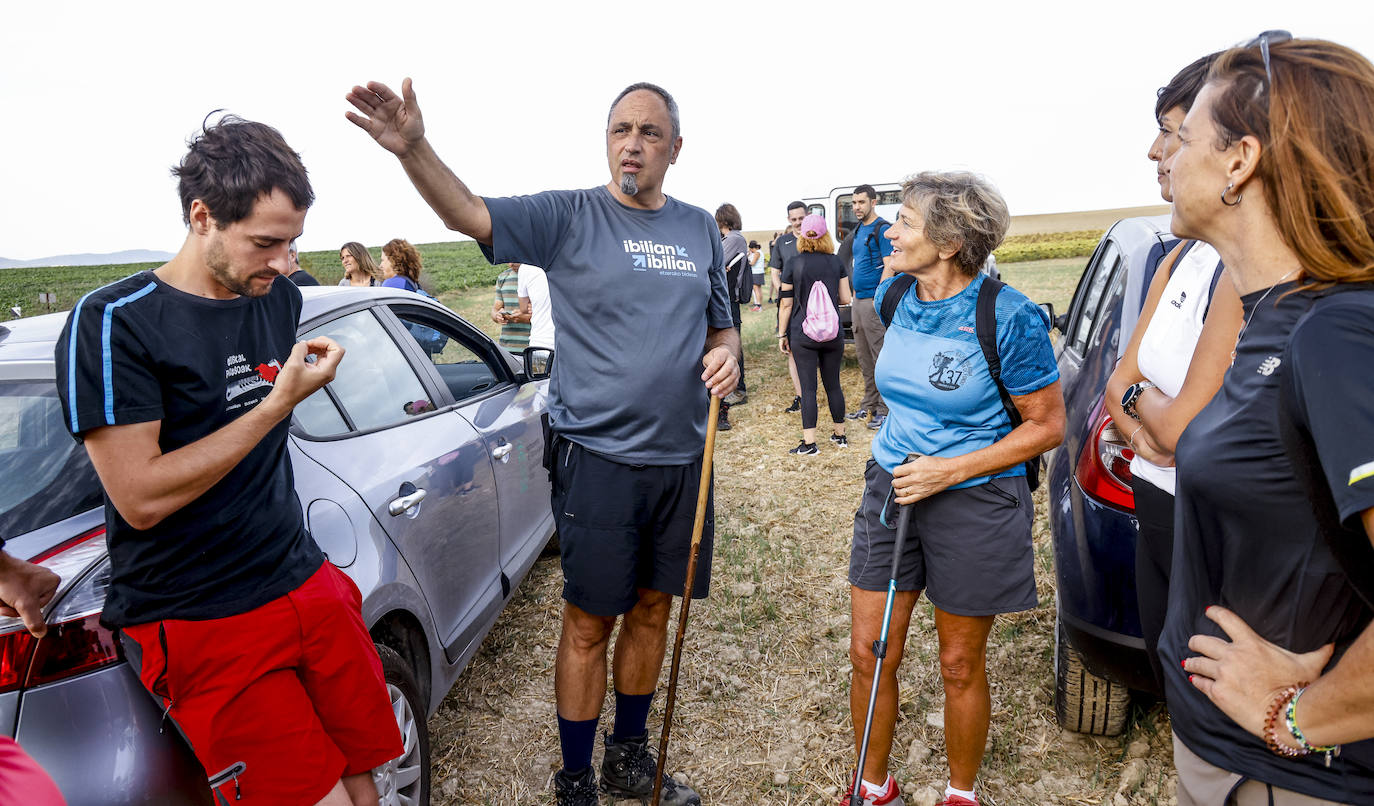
(698, 525)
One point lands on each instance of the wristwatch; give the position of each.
(1132, 394)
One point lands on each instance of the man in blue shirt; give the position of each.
(637, 280)
(870, 249)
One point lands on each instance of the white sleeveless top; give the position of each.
(1167, 347)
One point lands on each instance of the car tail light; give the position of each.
(1104, 467)
(75, 642)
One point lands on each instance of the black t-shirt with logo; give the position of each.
(140, 351)
(1247, 536)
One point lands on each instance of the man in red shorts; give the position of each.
(181, 382)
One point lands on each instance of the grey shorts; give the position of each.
(968, 549)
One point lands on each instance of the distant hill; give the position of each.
(108, 259)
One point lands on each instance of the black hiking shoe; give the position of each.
(796, 405)
(839, 440)
(806, 449)
(627, 771)
(578, 790)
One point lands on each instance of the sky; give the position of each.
(1054, 102)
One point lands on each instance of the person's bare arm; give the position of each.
(1165, 417)
(395, 123)
(146, 485)
(721, 360)
(1041, 428)
(1244, 675)
(25, 589)
(846, 296)
(525, 313)
(784, 318)
(496, 307)
(1128, 372)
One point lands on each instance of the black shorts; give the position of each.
(968, 549)
(625, 527)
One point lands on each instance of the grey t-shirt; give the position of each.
(633, 293)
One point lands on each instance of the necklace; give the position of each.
(1253, 310)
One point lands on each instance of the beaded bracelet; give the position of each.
(1291, 719)
(1271, 722)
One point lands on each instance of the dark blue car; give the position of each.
(1099, 653)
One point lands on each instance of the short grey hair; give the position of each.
(657, 90)
(962, 211)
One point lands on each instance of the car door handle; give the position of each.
(502, 452)
(405, 502)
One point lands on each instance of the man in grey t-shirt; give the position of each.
(639, 300)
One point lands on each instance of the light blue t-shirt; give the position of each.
(869, 249)
(633, 293)
(941, 401)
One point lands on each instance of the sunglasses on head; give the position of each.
(1264, 40)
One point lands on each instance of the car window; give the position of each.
(463, 369)
(1087, 314)
(374, 385)
(45, 475)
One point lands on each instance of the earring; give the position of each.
(1235, 203)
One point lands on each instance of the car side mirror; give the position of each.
(1048, 308)
(538, 362)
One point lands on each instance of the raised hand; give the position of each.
(310, 366)
(393, 121)
(25, 589)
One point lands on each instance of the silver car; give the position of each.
(419, 472)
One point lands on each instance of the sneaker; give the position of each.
(736, 397)
(876, 421)
(806, 449)
(756, 308)
(579, 790)
(628, 768)
(857, 415)
(839, 440)
(796, 405)
(723, 422)
(958, 800)
(892, 798)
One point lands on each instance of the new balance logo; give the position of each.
(1268, 365)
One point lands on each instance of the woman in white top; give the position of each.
(1172, 367)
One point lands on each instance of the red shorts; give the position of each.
(292, 690)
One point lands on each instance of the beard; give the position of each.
(217, 260)
(629, 184)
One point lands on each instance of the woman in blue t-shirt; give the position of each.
(970, 543)
(400, 265)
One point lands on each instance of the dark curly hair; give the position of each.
(231, 163)
(405, 259)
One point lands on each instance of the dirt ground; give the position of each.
(762, 713)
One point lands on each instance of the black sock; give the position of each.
(631, 715)
(577, 740)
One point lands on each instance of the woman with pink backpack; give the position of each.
(810, 331)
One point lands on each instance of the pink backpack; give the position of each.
(822, 322)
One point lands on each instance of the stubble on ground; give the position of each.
(762, 713)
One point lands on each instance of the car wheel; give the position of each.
(1084, 702)
(404, 781)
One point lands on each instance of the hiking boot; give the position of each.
(857, 415)
(723, 421)
(628, 768)
(892, 798)
(579, 790)
(806, 449)
(796, 405)
(736, 397)
(840, 440)
(876, 421)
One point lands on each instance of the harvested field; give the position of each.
(762, 712)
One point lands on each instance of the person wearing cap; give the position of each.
(815, 263)
(640, 305)
(969, 547)
(756, 267)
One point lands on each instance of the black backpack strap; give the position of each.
(985, 327)
(893, 297)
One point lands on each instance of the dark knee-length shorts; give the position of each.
(968, 549)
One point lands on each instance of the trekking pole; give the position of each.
(698, 525)
(880, 645)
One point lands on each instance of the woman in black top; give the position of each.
(814, 263)
(1273, 560)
